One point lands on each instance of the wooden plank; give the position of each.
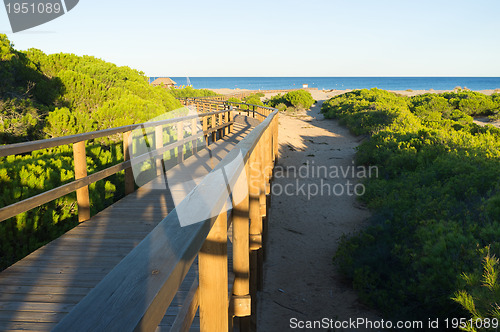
(34, 317)
(65, 261)
(48, 278)
(185, 317)
(36, 306)
(7, 326)
(69, 270)
(68, 282)
(43, 298)
(69, 264)
(5, 289)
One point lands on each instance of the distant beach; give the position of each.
(341, 83)
(328, 93)
(322, 95)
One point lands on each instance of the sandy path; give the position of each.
(300, 280)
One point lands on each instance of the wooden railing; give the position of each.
(216, 122)
(137, 292)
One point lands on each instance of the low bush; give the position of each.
(300, 99)
(297, 99)
(434, 203)
(281, 106)
(481, 298)
(191, 92)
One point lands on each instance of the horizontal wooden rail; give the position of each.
(19, 148)
(50, 195)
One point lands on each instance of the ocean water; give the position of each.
(386, 83)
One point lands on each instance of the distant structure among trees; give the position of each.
(165, 81)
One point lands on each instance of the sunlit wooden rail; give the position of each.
(151, 273)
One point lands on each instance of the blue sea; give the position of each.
(327, 83)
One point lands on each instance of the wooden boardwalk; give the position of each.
(38, 291)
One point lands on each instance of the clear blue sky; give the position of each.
(279, 38)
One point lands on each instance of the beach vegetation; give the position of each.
(190, 92)
(234, 100)
(299, 99)
(44, 96)
(434, 205)
(481, 298)
(252, 99)
(281, 106)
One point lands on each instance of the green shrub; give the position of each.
(300, 98)
(43, 96)
(281, 106)
(472, 103)
(253, 100)
(296, 99)
(276, 100)
(435, 201)
(481, 301)
(234, 100)
(191, 92)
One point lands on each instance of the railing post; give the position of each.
(254, 179)
(276, 137)
(194, 131)
(214, 133)
(269, 156)
(82, 194)
(159, 145)
(212, 264)
(229, 128)
(205, 128)
(263, 204)
(241, 260)
(221, 131)
(129, 174)
(180, 137)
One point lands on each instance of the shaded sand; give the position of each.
(483, 121)
(299, 278)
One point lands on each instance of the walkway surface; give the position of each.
(300, 281)
(38, 291)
